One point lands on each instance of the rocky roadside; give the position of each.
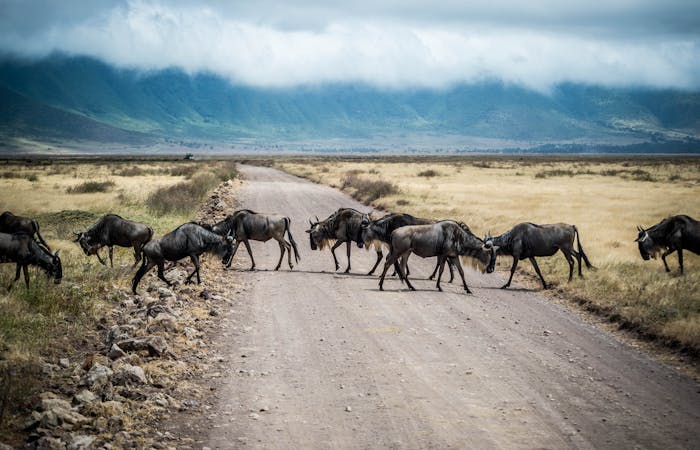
(151, 353)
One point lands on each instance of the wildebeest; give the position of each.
(673, 234)
(378, 232)
(189, 239)
(528, 240)
(113, 230)
(343, 226)
(10, 223)
(245, 225)
(446, 239)
(22, 249)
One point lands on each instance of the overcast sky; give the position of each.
(387, 43)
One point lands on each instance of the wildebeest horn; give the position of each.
(317, 219)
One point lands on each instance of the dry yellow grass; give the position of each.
(31, 319)
(604, 198)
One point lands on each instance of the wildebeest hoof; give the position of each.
(347, 270)
(505, 286)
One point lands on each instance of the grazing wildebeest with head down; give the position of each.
(9, 223)
(343, 226)
(245, 225)
(528, 240)
(446, 239)
(113, 230)
(20, 248)
(673, 234)
(378, 232)
(189, 239)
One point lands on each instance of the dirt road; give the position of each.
(324, 360)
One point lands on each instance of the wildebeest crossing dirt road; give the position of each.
(320, 359)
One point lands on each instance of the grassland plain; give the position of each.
(50, 321)
(605, 197)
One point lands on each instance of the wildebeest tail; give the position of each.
(580, 250)
(38, 235)
(150, 235)
(287, 222)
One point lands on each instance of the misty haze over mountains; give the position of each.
(81, 99)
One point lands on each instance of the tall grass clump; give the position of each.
(90, 187)
(226, 170)
(366, 190)
(183, 197)
(132, 171)
(428, 173)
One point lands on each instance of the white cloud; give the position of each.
(386, 50)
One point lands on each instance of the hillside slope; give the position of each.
(204, 106)
(21, 117)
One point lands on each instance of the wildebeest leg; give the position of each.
(195, 261)
(570, 260)
(441, 266)
(512, 271)
(335, 260)
(577, 255)
(233, 253)
(25, 269)
(348, 245)
(456, 263)
(250, 252)
(663, 258)
(145, 267)
(282, 248)
(537, 269)
(97, 253)
(450, 265)
(19, 268)
(390, 261)
(288, 246)
(437, 266)
(137, 254)
(402, 270)
(161, 273)
(111, 256)
(379, 258)
(680, 259)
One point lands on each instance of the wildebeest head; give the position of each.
(369, 235)
(647, 248)
(84, 241)
(54, 268)
(228, 252)
(485, 258)
(315, 235)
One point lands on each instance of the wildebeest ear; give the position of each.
(308, 231)
(229, 238)
(55, 255)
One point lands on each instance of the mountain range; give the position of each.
(80, 99)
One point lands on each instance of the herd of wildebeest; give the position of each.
(21, 242)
